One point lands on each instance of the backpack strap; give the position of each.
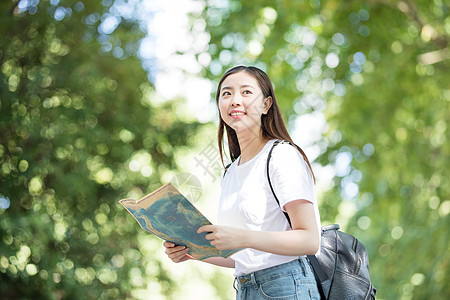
(277, 142)
(319, 274)
(226, 169)
(318, 271)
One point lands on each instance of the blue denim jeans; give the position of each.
(290, 281)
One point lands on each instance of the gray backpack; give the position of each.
(342, 266)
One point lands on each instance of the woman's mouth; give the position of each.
(237, 114)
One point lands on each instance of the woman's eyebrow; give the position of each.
(242, 86)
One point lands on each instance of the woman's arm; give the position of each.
(220, 261)
(302, 240)
(180, 253)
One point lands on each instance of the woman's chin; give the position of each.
(242, 128)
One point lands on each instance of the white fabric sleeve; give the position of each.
(290, 175)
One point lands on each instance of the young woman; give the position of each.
(273, 264)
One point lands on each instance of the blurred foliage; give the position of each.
(378, 70)
(78, 131)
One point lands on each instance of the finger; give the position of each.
(185, 258)
(209, 236)
(179, 256)
(171, 250)
(176, 257)
(168, 244)
(206, 228)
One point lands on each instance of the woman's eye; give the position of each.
(226, 94)
(247, 92)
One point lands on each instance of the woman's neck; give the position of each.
(250, 146)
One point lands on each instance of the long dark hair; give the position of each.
(272, 124)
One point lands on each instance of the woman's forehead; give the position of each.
(240, 79)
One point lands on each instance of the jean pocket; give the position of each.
(279, 288)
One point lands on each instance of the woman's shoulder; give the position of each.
(285, 149)
(287, 159)
(286, 155)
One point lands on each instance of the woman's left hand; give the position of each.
(224, 237)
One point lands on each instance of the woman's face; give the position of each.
(241, 103)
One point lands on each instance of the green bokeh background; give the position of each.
(77, 110)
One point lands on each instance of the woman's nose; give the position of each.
(236, 100)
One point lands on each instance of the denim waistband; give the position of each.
(260, 276)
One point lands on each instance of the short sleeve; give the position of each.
(290, 175)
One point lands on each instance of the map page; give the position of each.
(167, 214)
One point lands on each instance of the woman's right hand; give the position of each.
(176, 253)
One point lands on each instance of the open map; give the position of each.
(170, 216)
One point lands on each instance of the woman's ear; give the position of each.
(267, 104)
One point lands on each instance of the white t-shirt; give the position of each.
(247, 202)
